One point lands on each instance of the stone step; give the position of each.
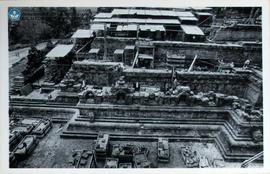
(172, 138)
(172, 122)
(233, 140)
(59, 120)
(232, 156)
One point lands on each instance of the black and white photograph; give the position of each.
(135, 87)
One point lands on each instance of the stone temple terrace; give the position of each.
(143, 88)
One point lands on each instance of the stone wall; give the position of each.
(94, 73)
(56, 68)
(231, 133)
(253, 51)
(154, 112)
(240, 33)
(254, 89)
(26, 112)
(229, 53)
(240, 127)
(113, 44)
(231, 84)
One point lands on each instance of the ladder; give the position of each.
(135, 59)
(82, 48)
(214, 34)
(192, 64)
(250, 160)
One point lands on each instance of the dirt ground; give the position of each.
(54, 152)
(16, 70)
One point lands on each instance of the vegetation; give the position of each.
(35, 57)
(45, 23)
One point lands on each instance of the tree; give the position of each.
(74, 18)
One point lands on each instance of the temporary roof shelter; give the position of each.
(60, 51)
(152, 27)
(192, 30)
(130, 27)
(150, 12)
(103, 15)
(80, 33)
(98, 26)
(138, 21)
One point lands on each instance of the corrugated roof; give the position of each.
(131, 27)
(145, 56)
(201, 8)
(119, 51)
(130, 47)
(184, 13)
(60, 50)
(152, 27)
(98, 26)
(119, 28)
(135, 11)
(94, 50)
(153, 12)
(137, 20)
(203, 13)
(82, 34)
(167, 13)
(188, 18)
(116, 20)
(150, 12)
(103, 15)
(162, 21)
(192, 29)
(95, 63)
(120, 11)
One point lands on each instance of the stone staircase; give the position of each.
(215, 127)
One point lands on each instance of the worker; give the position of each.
(137, 86)
(246, 64)
(83, 84)
(232, 65)
(175, 83)
(94, 34)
